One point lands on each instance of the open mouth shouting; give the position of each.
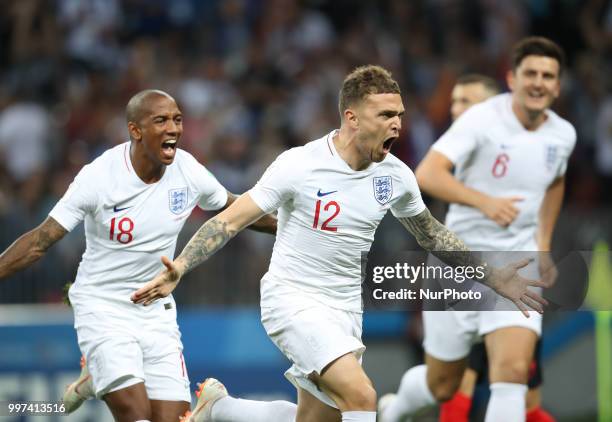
(388, 143)
(169, 149)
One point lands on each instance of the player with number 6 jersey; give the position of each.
(510, 154)
(504, 160)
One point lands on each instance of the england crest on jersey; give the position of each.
(383, 189)
(177, 199)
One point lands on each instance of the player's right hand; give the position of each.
(161, 286)
(501, 210)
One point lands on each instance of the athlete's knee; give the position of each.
(510, 370)
(443, 387)
(444, 391)
(358, 396)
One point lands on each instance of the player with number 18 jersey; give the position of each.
(129, 225)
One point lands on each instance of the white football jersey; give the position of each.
(129, 224)
(327, 216)
(493, 153)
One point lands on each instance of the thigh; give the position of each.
(343, 378)
(311, 409)
(129, 404)
(509, 349)
(311, 339)
(449, 335)
(114, 356)
(164, 367)
(490, 321)
(342, 373)
(168, 411)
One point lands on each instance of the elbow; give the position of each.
(272, 227)
(423, 178)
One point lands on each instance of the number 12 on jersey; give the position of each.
(327, 207)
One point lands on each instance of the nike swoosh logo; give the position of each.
(115, 209)
(320, 194)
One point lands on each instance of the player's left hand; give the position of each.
(507, 282)
(161, 286)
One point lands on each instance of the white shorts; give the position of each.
(312, 335)
(449, 335)
(121, 352)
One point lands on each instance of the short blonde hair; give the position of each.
(364, 81)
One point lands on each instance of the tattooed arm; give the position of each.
(30, 247)
(445, 245)
(434, 237)
(211, 237)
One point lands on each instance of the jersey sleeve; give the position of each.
(278, 183)
(213, 196)
(410, 202)
(461, 139)
(80, 199)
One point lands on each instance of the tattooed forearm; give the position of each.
(434, 237)
(431, 234)
(211, 237)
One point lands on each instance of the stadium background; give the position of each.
(253, 78)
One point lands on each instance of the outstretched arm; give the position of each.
(266, 224)
(434, 237)
(211, 237)
(30, 247)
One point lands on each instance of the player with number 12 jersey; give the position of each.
(314, 188)
(327, 216)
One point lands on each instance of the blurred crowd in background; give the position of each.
(255, 77)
